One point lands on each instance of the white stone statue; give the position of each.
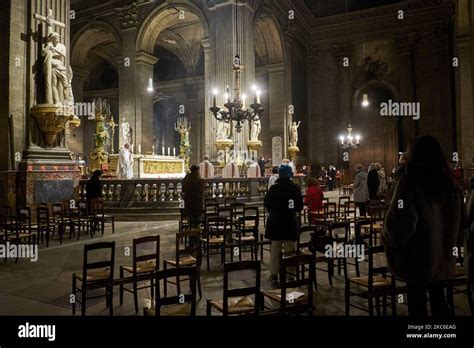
(125, 163)
(255, 129)
(57, 82)
(294, 134)
(126, 132)
(223, 130)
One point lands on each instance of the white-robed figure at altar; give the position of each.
(231, 171)
(125, 163)
(253, 170)
(206, 169)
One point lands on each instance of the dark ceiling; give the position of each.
(323, 8)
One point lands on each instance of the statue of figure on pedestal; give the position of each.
(223, 130)
(255, 129)
(57, 82)
(126, 132)
(294, 134)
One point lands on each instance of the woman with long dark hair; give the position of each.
(423, 226)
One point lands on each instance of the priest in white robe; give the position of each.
(125, 163)
(253, 170)
(231, 171)
(206, 169)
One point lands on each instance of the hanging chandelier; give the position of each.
(235, 107)
(236, 110)
(349, 141)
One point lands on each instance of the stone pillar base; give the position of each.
(254, 148)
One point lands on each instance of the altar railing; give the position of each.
(145, 192)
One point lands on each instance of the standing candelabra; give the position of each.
(183, 127)
(99, 156)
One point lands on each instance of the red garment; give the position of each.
(459, 176)
(314, 198)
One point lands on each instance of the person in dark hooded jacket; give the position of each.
(283, 201)
(423, 225)
(193, 189)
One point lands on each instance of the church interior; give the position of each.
(108, 109)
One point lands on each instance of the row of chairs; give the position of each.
(19, 227)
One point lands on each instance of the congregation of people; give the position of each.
(425, 216)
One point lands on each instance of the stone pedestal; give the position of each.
(254, 148)
(293, 152)
(51, 120)
(223, 149)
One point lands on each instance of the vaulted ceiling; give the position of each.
(324, 8)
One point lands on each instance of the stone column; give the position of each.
(277, 105)
(127, 90)
(76, 137)
(465, 100)
(289, 34)
(315, 123)
(343, 54)
(207, 128)
(194, 119)
(406, 43)
(226, 45)
(143, 128)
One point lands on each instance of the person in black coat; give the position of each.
(261, 163)
(93, 190)
(373, 182)
(283, 201)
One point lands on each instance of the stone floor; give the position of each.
(43, 288)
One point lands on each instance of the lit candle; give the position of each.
(227, 95)
(214, 98)
(258, 96)
(244, 98)
(163, 150)
(169, 151)
(132, 147)
(139, 149)
(341, 138)
(174, 151)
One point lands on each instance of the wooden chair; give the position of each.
(141, 264)
(350, 211)
(183, 220)
(238, 301)
(378, 284)
(46, 226)
(216, 235)
(211, 208)
(340, 238)
(287, 296)
(341, 205)
(319, 241)
(95, 274)
(179, 304)
(304, 246)
(247, 225)
(82, 221)
(19, 230)
(187, 256)
(103, 219)
(230, 201)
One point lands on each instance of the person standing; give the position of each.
(206, 168)
(193, 189)
(231, 171)
(338, 179)
(361, 192)
(283, 202)
(382, 179)
(273, 178)
(314, 199)
(422, 227)
(373, 182)
(253, 170)
(93, 191)
(125, 163)
(261, 163)
(459, 175)
(332, 178)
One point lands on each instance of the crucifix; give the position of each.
(50, 21)
(112, 126)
